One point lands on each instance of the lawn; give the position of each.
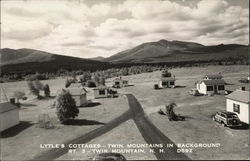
(126, 133)
(198, 127)
(23, 141)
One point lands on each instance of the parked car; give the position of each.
(226, 118)
(109, 157)
(194, 92)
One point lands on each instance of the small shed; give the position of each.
(167, 82)
(119, 83)
(9, 115)
(212, 76)
(101, 92)
(79, 95)
(238, 102)
(211, 86)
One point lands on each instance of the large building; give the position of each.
(9, 115)
(238, 102)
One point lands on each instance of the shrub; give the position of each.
(66, 107)
(67, 83)
(85, 77)
(19, 95)
(46, 90)
(166, 73)
(38, 85)
(91, 84)
(102, 81)
(33, 88)
(170, 111)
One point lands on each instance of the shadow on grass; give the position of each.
(82, 122)
(130, 85)
(243, 127)
(188, 117)
(179, 86)
(91, 104)
(13, 131)
(27, 105)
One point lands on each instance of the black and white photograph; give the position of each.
(118, 80)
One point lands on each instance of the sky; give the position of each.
(91, 28)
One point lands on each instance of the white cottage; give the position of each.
(211, 86)
(119, 83)
(101, 92)
(167, 82)
(79, 95)
(238, 102)
(9, 115)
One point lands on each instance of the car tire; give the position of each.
(223, 124)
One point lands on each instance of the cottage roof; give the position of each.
(213, 81)
(77, 91)
(101, 87)
(75, 85)
(6, 106)
(239, 95)
(168, 79)
(213, 76)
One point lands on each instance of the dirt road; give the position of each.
(149, 132)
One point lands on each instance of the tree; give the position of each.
(67, 83)
(46, 90)
(170, 111)
(91, 84)
(102, 81)
(38, 85)
(85, 77)
(166, 73)
(19, 95)
(33, 89)
(66, 107)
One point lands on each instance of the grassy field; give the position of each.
(120, 135)
(198, 127)
(28, 135)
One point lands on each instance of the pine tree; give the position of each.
(46, 90)
(66, 107)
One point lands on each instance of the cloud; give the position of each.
(103, 28)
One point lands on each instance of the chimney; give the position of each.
(12, 101)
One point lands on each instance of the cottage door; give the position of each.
(215, 88)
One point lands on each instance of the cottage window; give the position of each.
(172, 83)
(164, 83)
(101, 92)
(210, 88)
(236, 108)
(221, 87)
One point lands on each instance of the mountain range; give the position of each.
(150, 52)
(173, 51)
